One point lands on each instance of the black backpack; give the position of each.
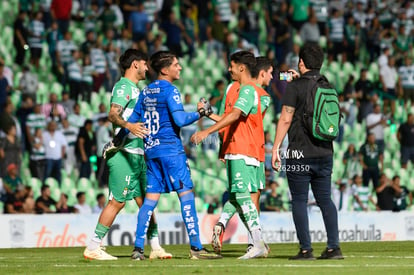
(322, 114)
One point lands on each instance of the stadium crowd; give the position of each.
(51, 136)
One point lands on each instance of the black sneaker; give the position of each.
(331, 254)
(303, 255)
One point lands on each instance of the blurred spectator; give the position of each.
(401, 195)
(335, 33)
(405, 136)
(20, 38)
(376, 122)
(174, 31)
(299, 12)
(406, 73)
(7, 119)
(53, 110)
(82, 206)
(362, 195)
(138, 23)
(91, 16)
(351, 163)
(364, 89)
(273, 200)
(100, 203)
(22, 114)
(44, 7)
(55, 150)
(371, 158)
(102, 113)
(44, 203)
(223, 8)
(248, 23)
(35, 120)
(292, 58)
(61, 12)
(112, 56)
(283, 41)
(373, 39)
(390, 85)
(203, 11)
(385, 193)
(52, 38)
(15, 203)
(99, 63)
(64, 207)
(4, 87)
(383, 58)
(352, 35)
(70, 133)
(37, 162)
(64, 49)
(88, 72)
(340, 195)
(278, 87)
(349, 105)
(403, 43)
(268, 145)
(36, 37)
(217, 94)
(189, 31)
(107, 18)
(85, 148)
(28, 83)
(216, 33)
(67, 103)
(309, 32)
(75, 76)
(10, 151)
(125, 41)
(12, 179)
(87, 45)
(103, 136)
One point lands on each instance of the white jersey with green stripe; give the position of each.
(125, 94)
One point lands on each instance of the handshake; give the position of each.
(204, 107)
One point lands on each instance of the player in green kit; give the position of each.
(127, 168)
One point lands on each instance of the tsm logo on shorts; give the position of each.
(17, 230)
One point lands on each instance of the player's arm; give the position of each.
(182, 118)
(132, 125)
(283, 126)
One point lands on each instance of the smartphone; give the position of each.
(287, 76)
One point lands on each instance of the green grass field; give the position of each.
(360, 258)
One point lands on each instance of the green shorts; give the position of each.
(260, 182)
(127, 176)
(241, 177)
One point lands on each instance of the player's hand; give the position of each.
(137, 129)
(276, 162)
(198, 137)
(204, 107)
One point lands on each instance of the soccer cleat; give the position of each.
(331, 254)
(303, 255)
(97, 254)
(217, 239)
(138, 254)
(203, 254)
(255, 252)
(249, 247)
(159, 254)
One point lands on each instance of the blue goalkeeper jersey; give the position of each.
(155, 106)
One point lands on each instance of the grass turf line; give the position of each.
(360, 258)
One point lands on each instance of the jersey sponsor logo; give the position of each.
(150, 101)
(177, 99)
(242, 101)
(135, 93)
(120, 93)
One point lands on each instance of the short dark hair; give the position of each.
(312, 56)
(246, 58)
(99, 196)
(80, 194)
(44, 187)
(161, 60)
(129, 56)
(262, 63)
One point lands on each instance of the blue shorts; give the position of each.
(168, 174)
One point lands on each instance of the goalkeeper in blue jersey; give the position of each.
(160, 108)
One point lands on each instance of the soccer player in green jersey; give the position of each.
(127, 168)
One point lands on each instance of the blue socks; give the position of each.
(189, 214)
(144, 217)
